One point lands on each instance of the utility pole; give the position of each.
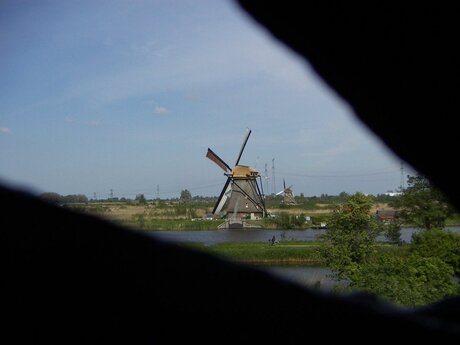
(158, 192)
(111, 194)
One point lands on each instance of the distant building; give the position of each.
(386, 215)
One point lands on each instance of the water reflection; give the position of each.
(307, 276)
(211, 237)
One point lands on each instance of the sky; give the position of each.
(124, 98)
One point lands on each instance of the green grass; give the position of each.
(288, 252)
(284, 253)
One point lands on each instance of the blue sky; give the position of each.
(128, 95)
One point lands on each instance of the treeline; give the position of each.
(185, 197)
(311, 202)
(272, 201)
(64, 199)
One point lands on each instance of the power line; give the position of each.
(341, 175)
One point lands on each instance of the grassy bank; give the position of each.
(262, 253)
(284, 253)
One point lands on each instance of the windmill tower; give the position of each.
(241, 191)
(288, 195)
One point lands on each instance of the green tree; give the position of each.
(140, 198)
(422, 205)
(75, 198)
(349, 238)
(410, 281)
(52, 197)
(185, 196)
(344, 195)
(439, 243)
(283, 221)
(392, 231)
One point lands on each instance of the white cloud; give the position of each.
(160, 110)
(5, 130)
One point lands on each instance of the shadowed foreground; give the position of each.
(69, 278)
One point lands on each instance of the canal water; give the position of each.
(209, 237)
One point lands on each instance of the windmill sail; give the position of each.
(280, 192)
(226, 191)
(216, 159)
(248, 133)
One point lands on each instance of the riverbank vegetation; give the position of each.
(422, 272)
(429, 271)
(281, 253)
(189, 212)
(284, 252)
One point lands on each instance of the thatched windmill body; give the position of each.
(241, 193)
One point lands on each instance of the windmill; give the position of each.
(288, 195)
(241, 189)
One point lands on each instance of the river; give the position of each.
(210, 237)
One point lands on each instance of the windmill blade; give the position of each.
(246, 137)
(284, 184)
(280, 192)
(226, 191)
(216, 159)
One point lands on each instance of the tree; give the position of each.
(439, 243)
(75, 198)
(392, 231)
(344, 195)
(422, 205)
(52, 197)
(140, 198)
(350, 236)
(185, 196)
(409, 281)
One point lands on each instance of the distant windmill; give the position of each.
(288, 195)
(241, 189)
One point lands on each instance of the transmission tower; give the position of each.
(266, 192)
(273, 175)
(402, 184)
